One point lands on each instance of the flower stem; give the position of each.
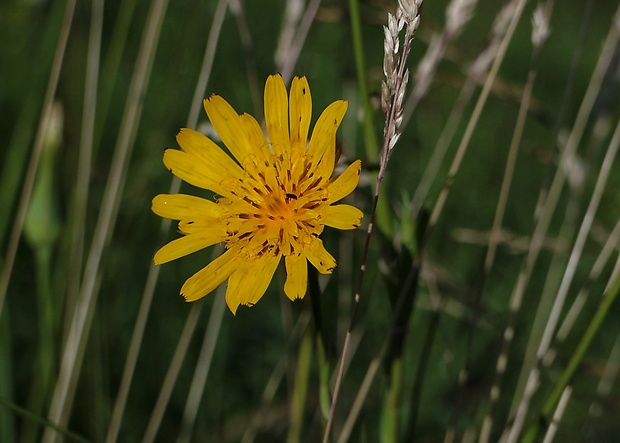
(370, 137)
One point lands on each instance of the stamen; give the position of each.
(306, 169)
(314, 183)
(250, 201)
(311, 204)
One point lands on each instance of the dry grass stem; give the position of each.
(392, 99)
(458, 13)
(173, 372)
(153, 275)
(548, 209)
(499, 254)
(81, 321)
(201, 371)
(495, 390)
(557, 416)
(291, 55)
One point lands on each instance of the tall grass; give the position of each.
(486, 309)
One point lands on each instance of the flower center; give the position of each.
(280, 206)
(275, 211)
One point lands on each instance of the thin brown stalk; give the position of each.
(371, 372)
(393, 93)
(360, 398)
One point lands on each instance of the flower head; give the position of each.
(274, 195)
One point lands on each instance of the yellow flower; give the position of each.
(273, 201)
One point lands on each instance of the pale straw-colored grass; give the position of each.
(422, 342)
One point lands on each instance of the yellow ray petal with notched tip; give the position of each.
(276, 114)
(208, 153)
(342, 217)
(210, 277)
(322, 146)
(345, 183)
(186, 245)
(230, 127)
(319, 257)
(181, 206)
(296, 276)
(249, 281)
(191, 170)
(300, 110)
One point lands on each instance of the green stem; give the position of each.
(29, 416)
(46, 353)
(420, 376)
(391, 403)
(324, 348)
(370, 134)
(300, 389)
(575, 360)
(371, 143)
(7, 421)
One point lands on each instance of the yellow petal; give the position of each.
(208, 153)
(191, 170)
(319, 257)
(276, 114)
(296, 276)
(229, 126)
(300, 109)
(183, 246)
(181, 206)
(210, 277)
(345, 183)
(342, 217)
(250, 281)
(322, 146)
(256, 162)
(205, 227)
(256, 137)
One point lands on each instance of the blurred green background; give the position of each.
(262, 343)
